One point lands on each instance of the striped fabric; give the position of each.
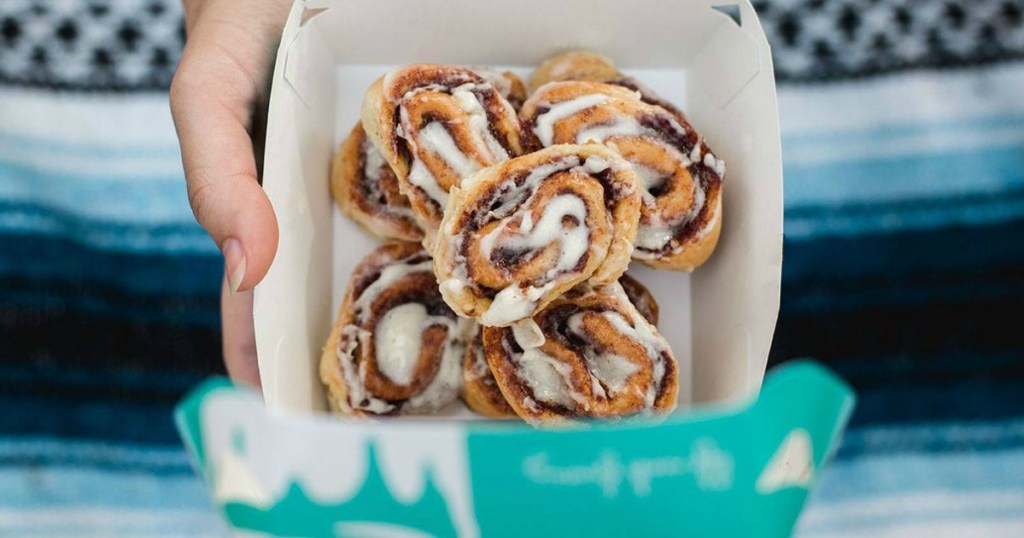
(903, 140)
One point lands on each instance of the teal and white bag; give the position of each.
(732, 471)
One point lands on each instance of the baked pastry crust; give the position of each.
(517, 235)
(435, 125)
(587, 65)
(681, 214)
(392, 313)
(598, 358)
(366, 189)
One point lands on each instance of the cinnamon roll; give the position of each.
(436, 124)
(586, 65)
(508, 84)
(641, 298)
(479, 389)
(517, 235)
(681, 215)
(396, 347)
(366, 189)
(597, 357)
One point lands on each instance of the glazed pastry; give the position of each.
(436, 124)
(641, 298)
(517, 235)
(595, 357)
(681, 178)
(479, 389)
(366, 189)
(396, 347)
(508, 84)
(586, 65)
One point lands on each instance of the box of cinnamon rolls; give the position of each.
(526, 284)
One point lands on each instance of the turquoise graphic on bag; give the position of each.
(740, 470)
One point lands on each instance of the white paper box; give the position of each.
(719, 320)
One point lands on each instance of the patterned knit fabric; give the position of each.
(903, 143)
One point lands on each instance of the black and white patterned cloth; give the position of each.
(829, 39)
(116, 45)
(106, 45)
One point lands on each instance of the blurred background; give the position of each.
(903, 143)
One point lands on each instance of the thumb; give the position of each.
(212, 96)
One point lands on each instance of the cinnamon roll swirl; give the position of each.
(586, 65)
(396, 347)
(366, 189)
(597, 358)
(641, 298)
(436, 124)
(480, 390)
(508, 84)
(681, 215)
(517, 235)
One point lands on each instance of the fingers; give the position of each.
(218, 82)
(239, 344)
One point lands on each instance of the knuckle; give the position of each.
(199, 195)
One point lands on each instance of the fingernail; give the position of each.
(234, 263)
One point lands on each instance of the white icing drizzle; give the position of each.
(695, 153)
(644, 334)
(513, 303)
(714, 163)
(548, 379)
(445, 386)
(479, 122)
(396, 346)
(353, 337)
(650, 179)
(550, 382)
(607, 369)
(434, 138)
(516, 302)
(501, 84)
(622, 126)
(595, 164)
(653, 237)
(528, 334)
(549, 229)
(388, 276)
(398, 339)
(544, 127)
(373, 162)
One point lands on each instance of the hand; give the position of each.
(221, 79)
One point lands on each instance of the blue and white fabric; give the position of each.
(903, 142)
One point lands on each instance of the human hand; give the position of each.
(220, 82)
